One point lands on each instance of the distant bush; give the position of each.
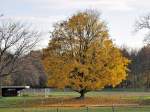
(25, 95)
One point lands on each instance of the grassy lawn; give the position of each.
(101, 109)
(45, 104)
(69, 97)
(104, 93)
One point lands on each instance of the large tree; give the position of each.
(81, 56)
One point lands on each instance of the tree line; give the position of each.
(139, 68)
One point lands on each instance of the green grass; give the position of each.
(60, 94)
(83, 109)
(29, 103)
(12, 101)
(123, 95)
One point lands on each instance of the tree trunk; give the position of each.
(82, 94)
(0, 87)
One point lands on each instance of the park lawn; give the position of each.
(69, 98)
(82, 109)
(124, 94)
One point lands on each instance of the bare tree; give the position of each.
(15, 40)
(143, 23)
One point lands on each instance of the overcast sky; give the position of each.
(42, 14)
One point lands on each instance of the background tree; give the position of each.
(131, 81)
(144, 66)
(31, 71)
(16, 40)
(143, 23)
(81, 56)
(139, 68)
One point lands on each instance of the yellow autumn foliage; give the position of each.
(81, 56)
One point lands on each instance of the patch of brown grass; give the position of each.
(69, 101)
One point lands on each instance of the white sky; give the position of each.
(119, 14)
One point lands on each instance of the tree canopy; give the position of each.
(80, 55)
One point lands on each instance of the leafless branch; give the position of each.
(143, 23)
(15, 41)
